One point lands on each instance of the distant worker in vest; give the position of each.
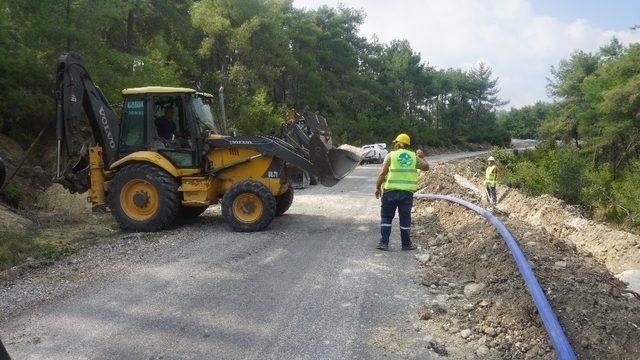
(399, 180)
(490, 180)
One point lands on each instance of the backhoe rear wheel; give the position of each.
(143, 197)
(248, 206)
(284, 201)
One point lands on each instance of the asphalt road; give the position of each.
(310, 287)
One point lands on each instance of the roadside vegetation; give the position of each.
(591, 154)
(42, 244)
(268, 55)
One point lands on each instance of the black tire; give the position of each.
(168, 198)
(259, 192)
(3, 172)
(284, 201)
(191, 212)
(4, 355)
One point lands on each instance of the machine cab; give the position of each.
(171, 121)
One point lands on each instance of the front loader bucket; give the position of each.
(309, 137)
(333, 164)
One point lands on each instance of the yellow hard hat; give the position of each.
(403, 138)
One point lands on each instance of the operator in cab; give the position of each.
(397, 182)
(165, 126)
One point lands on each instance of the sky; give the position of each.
(519, 39)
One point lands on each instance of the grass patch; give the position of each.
(15, 247)
(54, 242)
(14, 194)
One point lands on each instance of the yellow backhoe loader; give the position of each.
(165, 158)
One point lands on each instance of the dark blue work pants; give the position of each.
(491, 191)
(403, 201)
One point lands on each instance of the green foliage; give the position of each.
(268, 55)
(596, 191)
(524, 170)
(596, 118)
(257, 116)
(559, 171)
(14, 247)
(566, 173)
(14, 193)
(565, 168)
(625, 194)
(523, 123)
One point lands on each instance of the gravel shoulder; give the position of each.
(310, 286)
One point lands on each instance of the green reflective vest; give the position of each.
(403, 174)
(490, 176)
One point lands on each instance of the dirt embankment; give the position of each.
(41, 221)
(480, 297)
(618, 250)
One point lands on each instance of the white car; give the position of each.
(374, 153)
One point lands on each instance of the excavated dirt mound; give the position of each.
(483, 301)
(56, 204)
(10, 221)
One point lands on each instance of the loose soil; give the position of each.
(480, 297)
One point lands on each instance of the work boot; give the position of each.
(409, 247)
(382, 246)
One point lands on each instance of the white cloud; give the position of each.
(517, 43)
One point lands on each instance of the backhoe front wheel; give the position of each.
(284, 201)
(248, 206)
(143, 197)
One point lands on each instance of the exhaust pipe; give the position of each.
(223, 114)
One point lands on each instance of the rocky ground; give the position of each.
(481, 299)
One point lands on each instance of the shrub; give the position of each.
(494, 135)
(14, 247)
(531, 177)
(14, 193)
(595, 194)
(566, 169)
(625, 194)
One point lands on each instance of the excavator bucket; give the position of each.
(331, 163)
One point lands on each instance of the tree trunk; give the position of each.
(128, 42)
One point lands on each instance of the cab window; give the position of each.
(173, 134)
(168, 118)
(132, 134)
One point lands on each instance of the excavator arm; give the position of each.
(76, 92)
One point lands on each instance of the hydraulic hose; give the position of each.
(554, 330)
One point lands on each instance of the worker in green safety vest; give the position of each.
(399, 179)
(491, 180)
